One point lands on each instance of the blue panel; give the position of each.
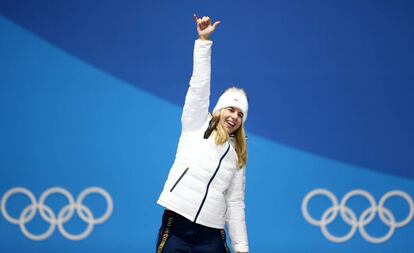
(67, 123)
(333, 78)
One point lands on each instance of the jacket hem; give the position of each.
(188, 216)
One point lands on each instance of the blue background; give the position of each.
(91, 94)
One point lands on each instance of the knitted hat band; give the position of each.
(233, 97)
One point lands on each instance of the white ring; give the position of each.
(31, 236)
(82, 235)
(8, 194)
(51, 191)
(336, 238)
(108, 199)
(354, 193)
(407, 198)
(372, 239)
(312, 194)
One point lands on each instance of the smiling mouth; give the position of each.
(231, 124)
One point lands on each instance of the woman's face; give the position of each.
(231, 119)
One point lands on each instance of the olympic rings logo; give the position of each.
(64, 215)
(366, 217)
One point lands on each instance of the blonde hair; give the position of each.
(221, 136)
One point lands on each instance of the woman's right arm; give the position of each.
(195, 112)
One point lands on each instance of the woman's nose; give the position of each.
(234, 115)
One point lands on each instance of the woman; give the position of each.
(206, 184)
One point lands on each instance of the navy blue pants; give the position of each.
(180, 235)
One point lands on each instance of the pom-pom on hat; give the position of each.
(233, 97)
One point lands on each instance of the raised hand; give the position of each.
(204, 27)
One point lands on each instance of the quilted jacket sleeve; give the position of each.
(235, 216)
(195, 112)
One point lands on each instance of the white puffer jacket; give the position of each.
(204, 184)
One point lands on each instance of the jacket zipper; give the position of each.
(178, 180)
(209, 182)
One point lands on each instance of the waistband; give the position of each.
(183, 221)
(170, 213)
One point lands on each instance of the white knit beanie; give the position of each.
(233, 97)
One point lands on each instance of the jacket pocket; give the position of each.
(179, 179)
